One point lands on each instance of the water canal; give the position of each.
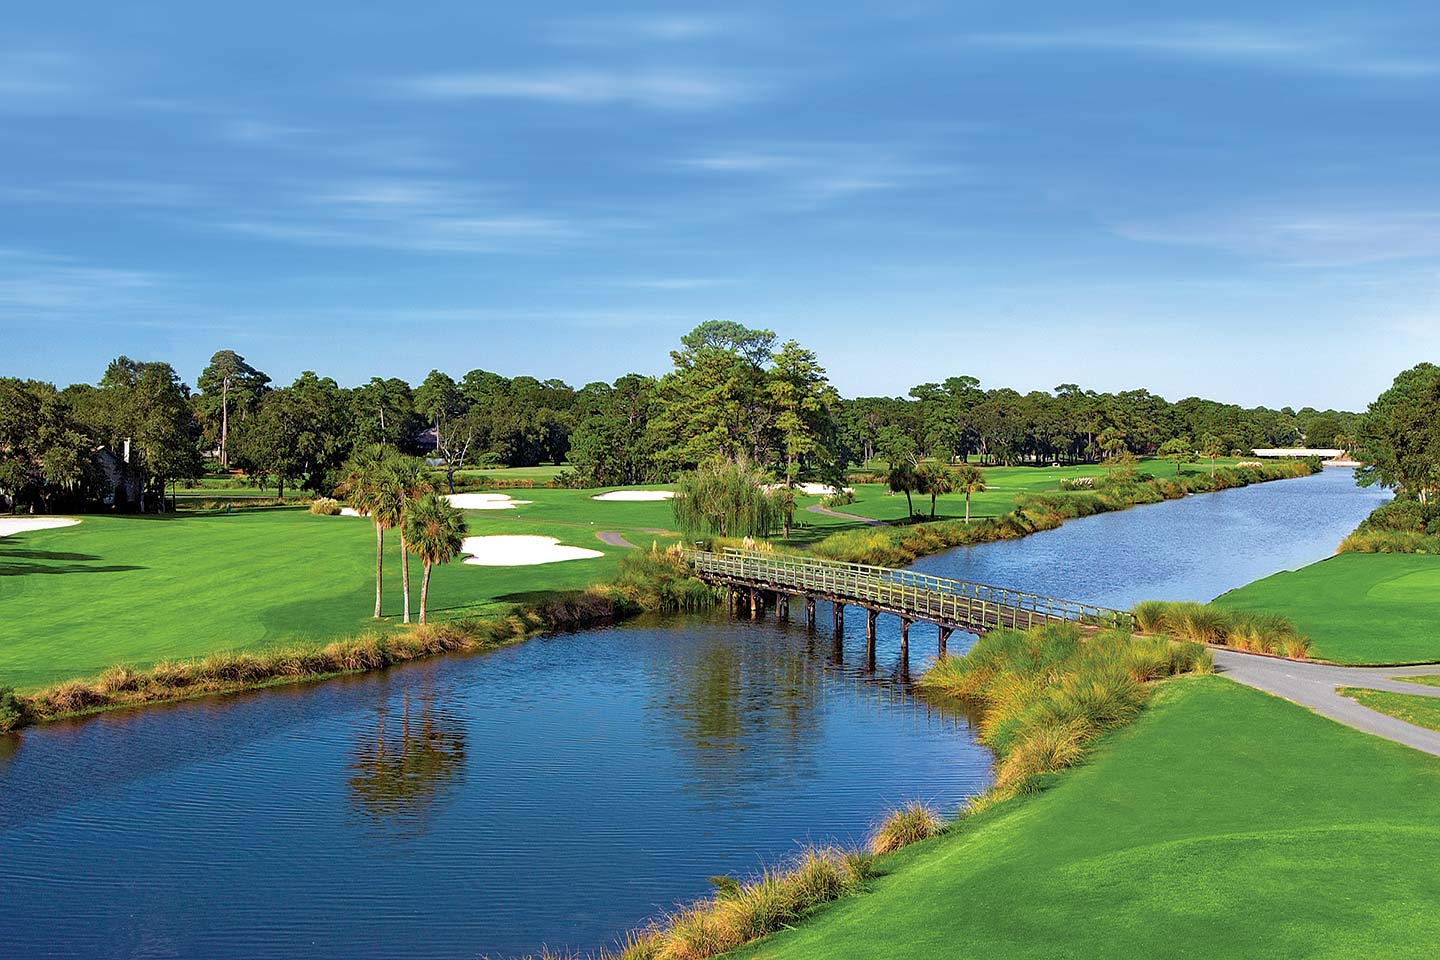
(556, 792)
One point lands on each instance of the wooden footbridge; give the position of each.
(950, 605)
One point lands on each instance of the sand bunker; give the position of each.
(9, 525)
(810, 489)
(635, 495)
(349, 512)
(484, 501)
(521, 551)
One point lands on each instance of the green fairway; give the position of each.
(140, 589)
(1224, 823)
(1002, 486)
(1429, 680)
(1357, 607)
(1412, 708)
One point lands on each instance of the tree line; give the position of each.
(731, 391)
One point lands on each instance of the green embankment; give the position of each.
(1412, 708)
(138, 590)
(1356, 608)
(1429, 680)
(1223, 823)
(1002, 486)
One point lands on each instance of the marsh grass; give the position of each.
(910, 824)
(1046, 694)
(1204, 623)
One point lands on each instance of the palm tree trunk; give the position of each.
(967, 506)
(424, 590)
(405, 576)
(932, 506)
(379, 563)
(909, 504)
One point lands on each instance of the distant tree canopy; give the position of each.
(732, 392)
(1399, 437)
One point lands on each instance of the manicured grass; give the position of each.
(1002, 486)
(1412, 708)
(1223, 823)
(1356, 607)
(137, 590)
(1430, 680)
(544, 471)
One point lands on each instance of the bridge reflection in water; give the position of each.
(762, 579)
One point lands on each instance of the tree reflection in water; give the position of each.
(402, 769)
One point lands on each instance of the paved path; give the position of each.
(816, 508)
(1313, 685)
(614, 538)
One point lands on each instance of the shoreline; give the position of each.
(122, 687)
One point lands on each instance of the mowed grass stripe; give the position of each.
(1223, 823)
(1356, 608)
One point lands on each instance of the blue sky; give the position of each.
(1235, 200)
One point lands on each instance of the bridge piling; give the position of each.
(905, 640)
(870, 616)
(837, 614)
(782, 606)
(940, 643)
(809, 612)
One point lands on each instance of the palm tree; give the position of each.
(969, 480)
(435, 532)
(411, 481)
(935, 478)
(903, 478)
(365, 488)
(1211, 447)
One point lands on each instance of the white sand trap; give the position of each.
(810, 489)
(521, 551)
(349, 512)
(9, 525)
(634, 495)
(484, 501)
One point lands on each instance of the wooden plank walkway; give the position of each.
(912, 596)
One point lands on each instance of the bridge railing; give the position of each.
(906, 591)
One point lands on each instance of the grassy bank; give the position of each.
(1356, 608)
(1412, 708)
(644, 582)
(1034, 511)
(142, 589)
(1208, 623)
(1222, 823)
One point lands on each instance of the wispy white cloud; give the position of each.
(669, 284)
(1299, 49)
(677, 28)
(658, 88)
(128, 193)
(33, 284)
(1306, 238)
(33, 79)
(422, 216)
(815, 173)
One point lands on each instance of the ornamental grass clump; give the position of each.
(740, 912)
(1045, 694)
(1207, 624)
(910, 824)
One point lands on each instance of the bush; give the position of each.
(840, 498)
(910, 824)
(325, 507)
(12, 710)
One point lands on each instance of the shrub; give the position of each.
(325, 507)
(840, 498)
(910, 824)
(12, 710)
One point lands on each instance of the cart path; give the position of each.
(1313, 685)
